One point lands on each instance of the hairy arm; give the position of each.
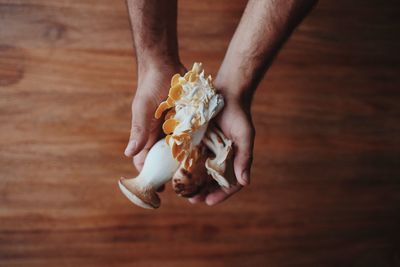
(154, 30)
(263, 28)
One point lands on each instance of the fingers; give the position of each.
(221, 194)
(214, 194)
(211, 186)
(138, 159)
(197, 198)
(243, 142)
(142, 112)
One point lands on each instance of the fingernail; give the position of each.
(130, 148)
(246, 177)
(209, 202)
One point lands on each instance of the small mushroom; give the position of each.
(187, 183)
(158, 169)
(220, 167)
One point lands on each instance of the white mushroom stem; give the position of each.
(158, 169)
(198, 135)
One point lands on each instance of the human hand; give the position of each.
(241, 132)
(153, 86)
(264, 27)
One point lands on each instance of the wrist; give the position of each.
(155, 76)
(234, 90)
(153, 61)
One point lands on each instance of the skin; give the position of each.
(263, 28)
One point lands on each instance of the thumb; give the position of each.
(141, 119)
(243, 143)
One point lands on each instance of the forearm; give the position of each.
(264, 27)
(154, 32)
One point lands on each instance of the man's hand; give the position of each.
(156, 45)
(264, 27)
(241, 132)
(152, 88)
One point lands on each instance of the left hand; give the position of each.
(242, 133)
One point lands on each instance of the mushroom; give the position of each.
(192, 103)
(220, 167)
(158, 169)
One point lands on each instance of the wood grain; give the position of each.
(326, 178)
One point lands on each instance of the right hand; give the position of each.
(153, 86)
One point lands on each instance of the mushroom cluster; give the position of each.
(193, 151)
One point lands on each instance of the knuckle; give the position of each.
(248, 132)
(136, 108)
(137, 129)
(247, 156)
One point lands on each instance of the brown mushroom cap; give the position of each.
(144, 197)
(187, 183)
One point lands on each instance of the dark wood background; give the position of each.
(326, 176)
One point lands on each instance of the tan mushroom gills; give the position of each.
(219, 167)
(158, 169)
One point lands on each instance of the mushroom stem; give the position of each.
(158, 169)
(198, 135)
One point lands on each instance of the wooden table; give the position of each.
(326, 175)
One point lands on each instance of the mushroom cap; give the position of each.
(145, 198)
(187, 183)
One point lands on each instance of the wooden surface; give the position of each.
(326, 176)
